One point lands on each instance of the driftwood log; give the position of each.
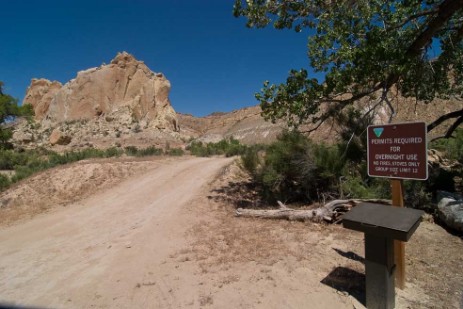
(331, 212)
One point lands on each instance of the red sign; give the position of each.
(398, 151)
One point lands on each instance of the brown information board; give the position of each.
(398, 151)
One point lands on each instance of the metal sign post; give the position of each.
(398, 151)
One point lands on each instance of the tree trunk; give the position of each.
(331, 212)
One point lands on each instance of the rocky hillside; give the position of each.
(246, 125)
(125, 103)
(122, 103)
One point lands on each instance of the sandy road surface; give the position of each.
(101, 252)
(166, 237)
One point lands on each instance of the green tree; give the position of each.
(364, 47)
(9, 109)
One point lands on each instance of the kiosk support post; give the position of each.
(381, 226)
(399, 246)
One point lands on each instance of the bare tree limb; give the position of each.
(441, 119)
(453, 127)
(331, 212)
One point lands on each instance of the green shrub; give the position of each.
(176, 152)
(235, 148)
(295, 169)
(198, 149)
(113, 152)
(356, 187)
(4, 182)
(10, 158)
(228, 147)
(452, 147)
(131, 151)
(250, 160)
(150, 151)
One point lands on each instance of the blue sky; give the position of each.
(212, 60)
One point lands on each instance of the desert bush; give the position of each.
(176, 152)
(197, 148)
(10, 158)
(73, 156)
(229, 147)
(113, 152)
(295, 169)
(358, 187)
(452, 147)
(235, 148)
(149, 151)
(131, 150)
(250, 159)
(4, 182)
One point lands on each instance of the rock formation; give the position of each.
(125, 87)
(39, 94)
(450, 210)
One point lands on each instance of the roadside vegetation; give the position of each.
(17, 165)
(228, 147)
(295, 169)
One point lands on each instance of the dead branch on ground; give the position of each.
(331, 212)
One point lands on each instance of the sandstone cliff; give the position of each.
(124, 88)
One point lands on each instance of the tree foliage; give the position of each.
(364, 47)
(8, 110)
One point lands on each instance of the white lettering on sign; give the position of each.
(396, 162)
(408, 140)
(379, 141)
(397, 151)
(387, 156)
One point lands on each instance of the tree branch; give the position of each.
(415, 16)
(341, 104)
(446, 11)
(441, 119)
(453, 127)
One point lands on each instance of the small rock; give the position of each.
(450, 209)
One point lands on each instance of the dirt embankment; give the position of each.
(164, 236)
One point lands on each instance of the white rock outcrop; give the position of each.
(124, 88)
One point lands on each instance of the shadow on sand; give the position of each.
(347, 280)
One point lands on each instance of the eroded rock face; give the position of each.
(125, 86)
(39, 94)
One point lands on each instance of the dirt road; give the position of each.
(166, 237)
(155, 240)
(105, 251)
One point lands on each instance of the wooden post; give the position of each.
(399, 246)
